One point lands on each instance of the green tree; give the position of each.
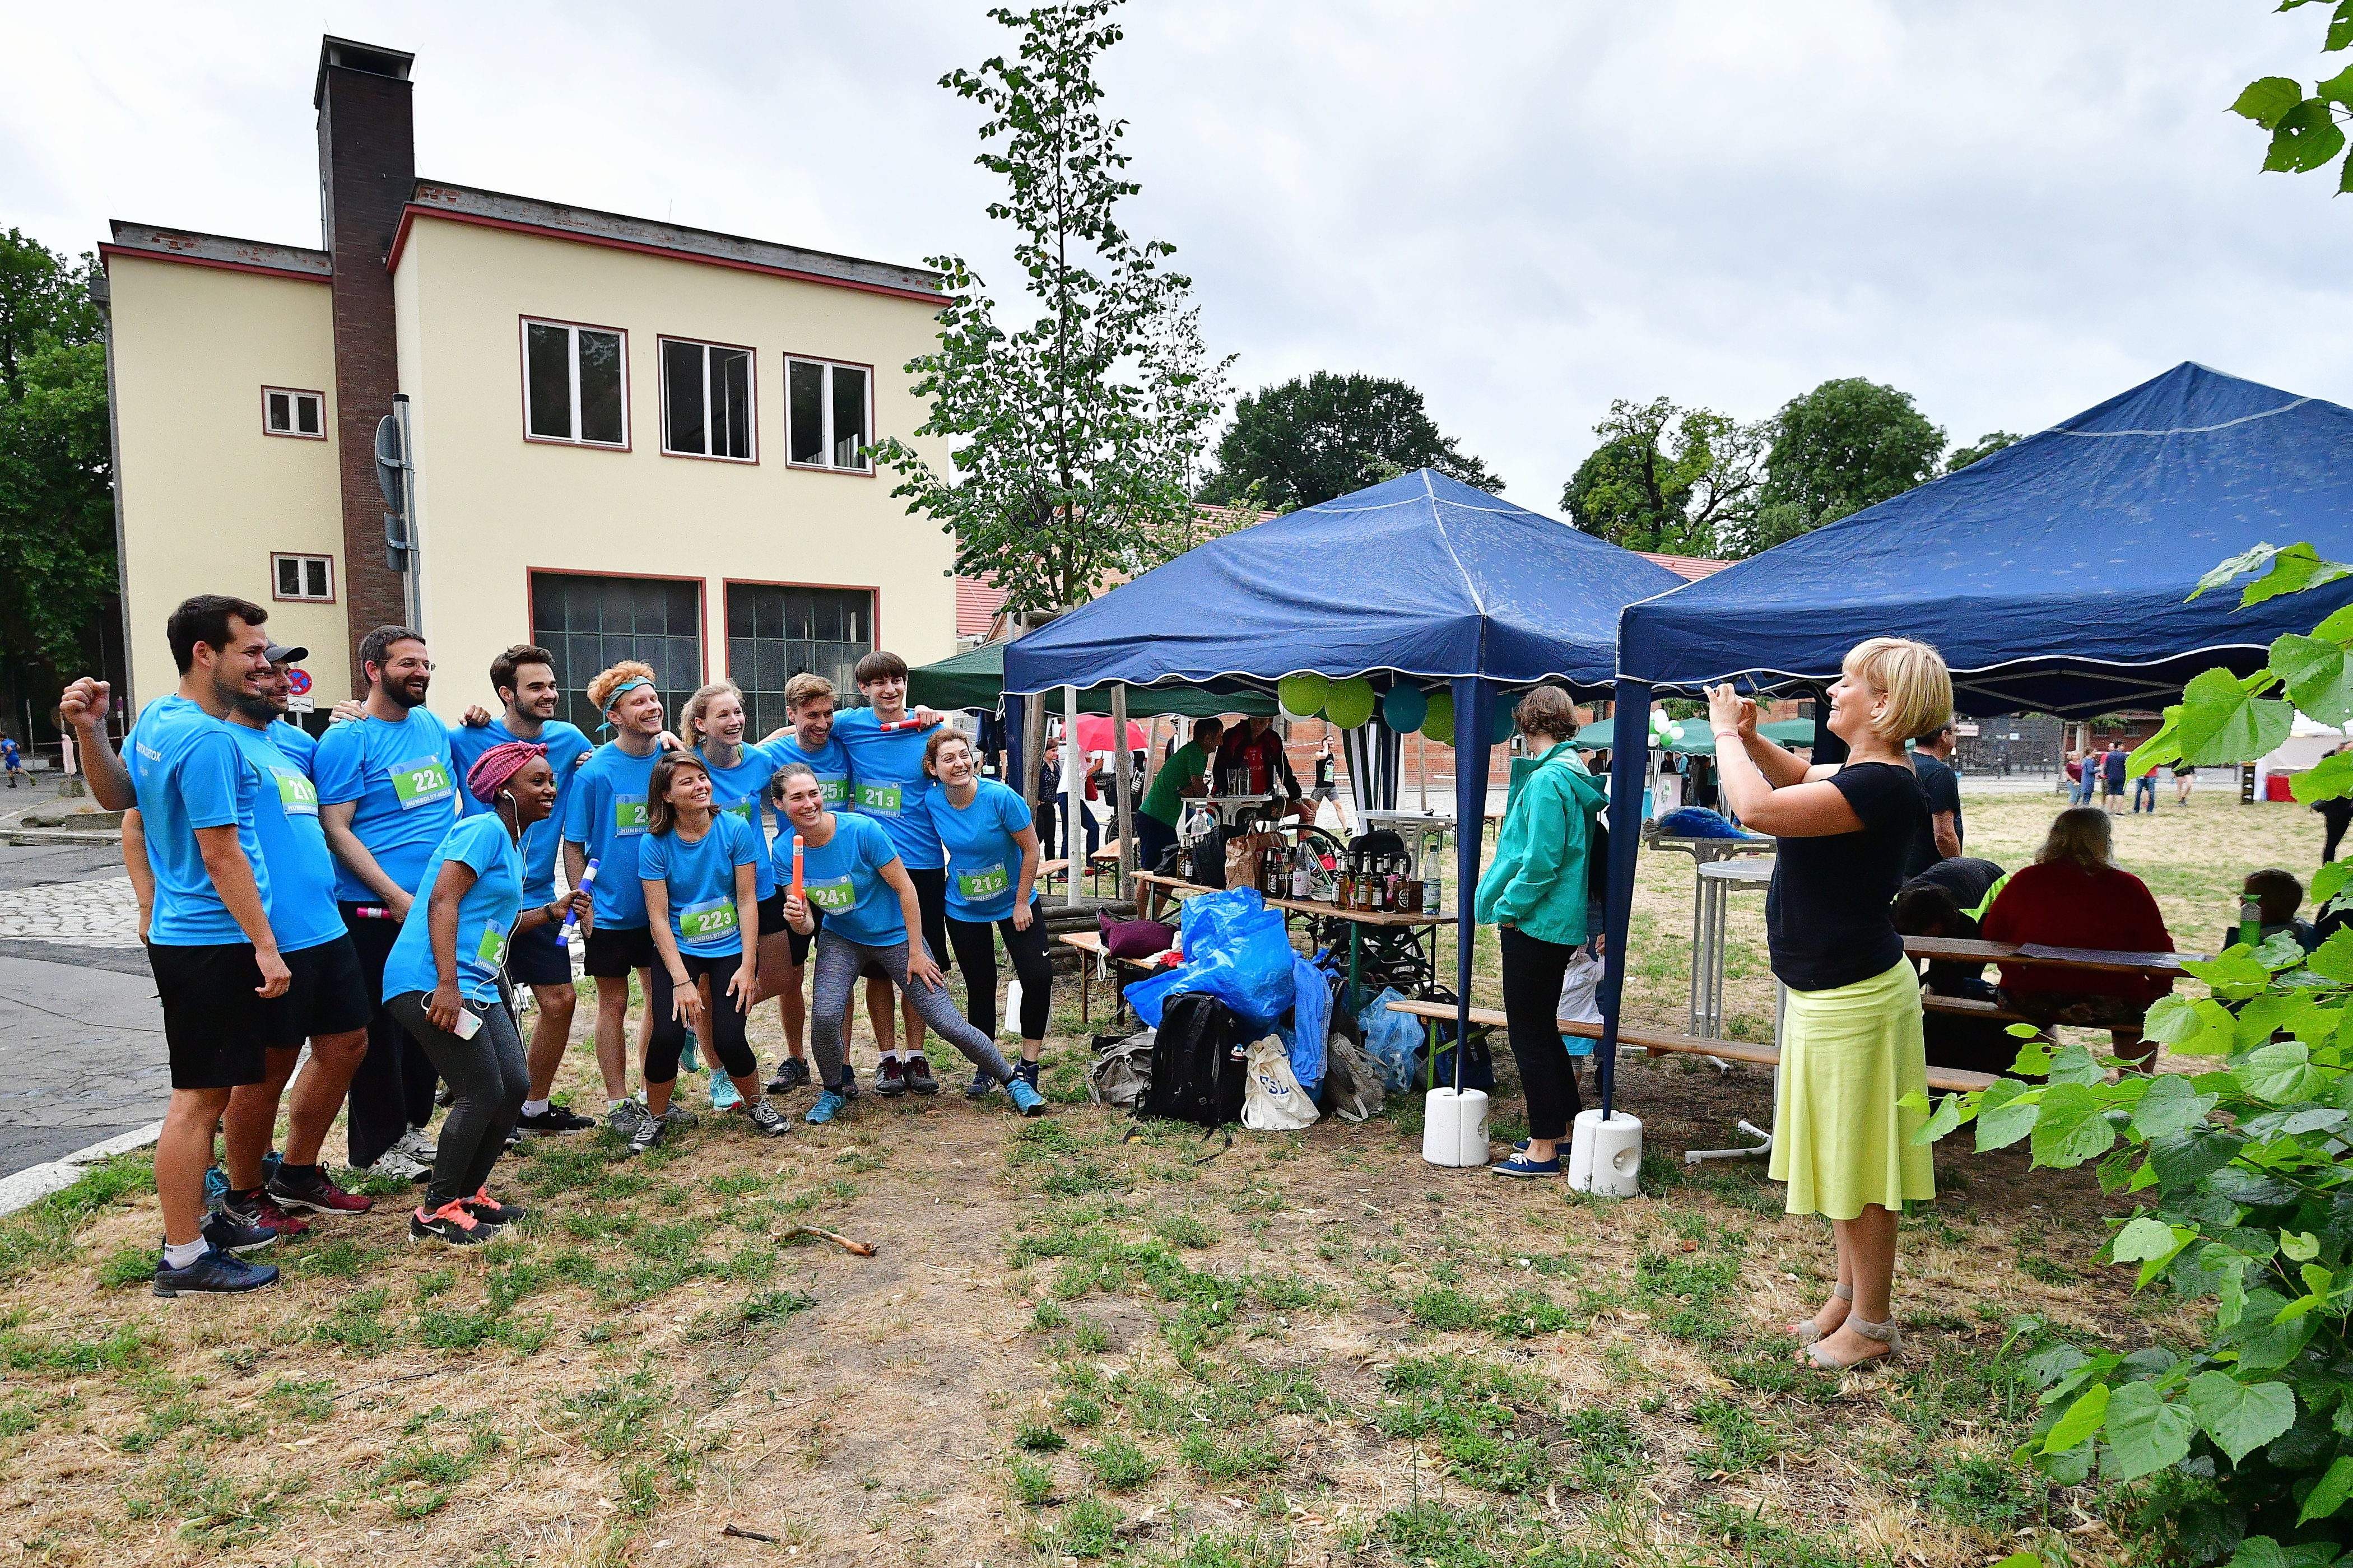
(1985, 446)
(1306, 441)
(1846, 445)
(1669, 479)
(57, 507)
(2305, 132)
(1073, 440)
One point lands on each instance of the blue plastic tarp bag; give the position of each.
(1392, 1042)
(1236, 950)
(1148, 995)
(1207, 922)
(1311, 1023)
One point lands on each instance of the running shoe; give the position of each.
(296, 1189)
(689, 1058)
(679, 1115)
(647, 1133)
(216, 1186)
(214, 1272)
(255, 1211)
(791, 1073)
(487, 1210)
(983, 1085)
(223, 1233)
(556, 1118)
(1519, 1165)
(449, 1225)
(829, 1105)
(1026, 1071)
(768, 1120)
(889, 1079)
(417, 1146)
(848, 1086)
(1027, 1101)
(724, 1095)
(919, 1075)
(395, 1163)
(624, 1117)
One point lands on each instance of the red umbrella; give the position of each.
(1095, 733)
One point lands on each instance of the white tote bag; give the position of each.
(1272, 1101)
(1009, 1022)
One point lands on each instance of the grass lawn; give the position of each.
(1086, 1339)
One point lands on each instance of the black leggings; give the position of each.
(726, 1014)
(488, 1076)
(1532, 970)
(975, 954)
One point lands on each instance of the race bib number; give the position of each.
(296, 795)
(883, 800)
(833, 896)
(980, 885)
(701, 922)
(837, 791)
(749, 810)
(421, 783)
(628, 815)
(492, 950)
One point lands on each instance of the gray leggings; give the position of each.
(839, 961)
(488, 1076)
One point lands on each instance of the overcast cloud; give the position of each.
(2011, 210)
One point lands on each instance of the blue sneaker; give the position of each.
(216, 1186)
(688, 1060)
(215, 1272)
(829, 1105)
(724, 1096)
(1025, 1099)
(1520, 1165)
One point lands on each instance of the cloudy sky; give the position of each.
(2010, 210)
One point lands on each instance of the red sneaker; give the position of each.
(257, 1210)
(889, 1079)
(314, 1191)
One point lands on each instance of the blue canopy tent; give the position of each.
(2052, 576)
(1421, 580)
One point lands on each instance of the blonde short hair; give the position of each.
(608, 682)
(1911, 677)
(690, 712)
(803, 687)
(2080, 835)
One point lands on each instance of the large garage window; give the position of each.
(591, 623)
(774, 633)
(576, 383)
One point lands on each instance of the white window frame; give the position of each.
(825, 403)
(303, 561)
(752, 393)
(295, 394)
(573, 330)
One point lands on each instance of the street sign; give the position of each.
(298, 682)
(301, 705)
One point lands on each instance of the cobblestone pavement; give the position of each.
(100, 912)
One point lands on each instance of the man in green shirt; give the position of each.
(1179, 777)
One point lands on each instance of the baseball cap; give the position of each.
(277, 653)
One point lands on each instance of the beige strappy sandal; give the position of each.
(1886, 1333)
(1804, 1328)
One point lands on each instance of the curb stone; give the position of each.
(30, 1185)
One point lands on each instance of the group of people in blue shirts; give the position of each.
(379, 893)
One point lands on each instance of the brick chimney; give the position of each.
(367, 167)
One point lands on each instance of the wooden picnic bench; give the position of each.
(1968, 950)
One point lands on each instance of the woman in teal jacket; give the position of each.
(1536, 893)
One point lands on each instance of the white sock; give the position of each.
(891, 1054)
(184, 1254)
(534, 1108)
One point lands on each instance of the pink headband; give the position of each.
(494, 767)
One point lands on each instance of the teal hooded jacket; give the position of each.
(1538, 882)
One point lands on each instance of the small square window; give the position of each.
(826, 415)
(575, 388)
(305, 577)
(286, 411)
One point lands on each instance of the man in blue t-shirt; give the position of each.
(387, 792)
(11, 759)
(603, 821)
(205, 891)
(524, 679)
(2112, 776)
(885, 744)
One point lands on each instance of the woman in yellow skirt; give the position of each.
(1850, 1041)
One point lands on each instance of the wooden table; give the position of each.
(1961, 950)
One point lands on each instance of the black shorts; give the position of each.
(772, 913)
(613, 952)
(801, 944)
(328, 996)
(215, 1025)
(931, 893)
(539, 957)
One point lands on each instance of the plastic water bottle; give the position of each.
(2251, 922)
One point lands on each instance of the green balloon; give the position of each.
(1438, 719)
(1405, 707)
(1500, 726)
(1349, 702)
(1301, 696)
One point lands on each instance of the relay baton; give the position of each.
(796, 865)
(901, 724)
(588, 882)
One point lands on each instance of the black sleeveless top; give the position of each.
(1826, 915)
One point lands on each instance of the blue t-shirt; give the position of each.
(188, 772)
(983, 862)
(566, 748)
(737, 792)
(888, 769)
(841, 883)
(8, 750)
(606, 814)
(486, 913)
(699, 878)
(302, 910)
(405, 787)
(829, 763)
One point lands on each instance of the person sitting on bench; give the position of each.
(2276, 895)
(2075, 895)
(1946, 900)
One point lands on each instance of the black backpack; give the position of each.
(1196, 1075)
(1207, 865)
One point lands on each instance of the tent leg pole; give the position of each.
(1074, 838)
(1122, 794)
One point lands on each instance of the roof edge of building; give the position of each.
(154, 240)
(440, 199)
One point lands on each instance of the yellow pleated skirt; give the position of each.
(1848, 1055)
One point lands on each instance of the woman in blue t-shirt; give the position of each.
(992, 881)
(445, 982)
(850, 869)
(698, 866)
(712, 723)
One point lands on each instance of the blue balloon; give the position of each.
(1405, 707)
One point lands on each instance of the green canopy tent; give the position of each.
(976, 679)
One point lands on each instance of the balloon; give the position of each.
(1405, 707)
(1301, 696)
(1438, 719)
(1349, 702)
(1500, 728)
